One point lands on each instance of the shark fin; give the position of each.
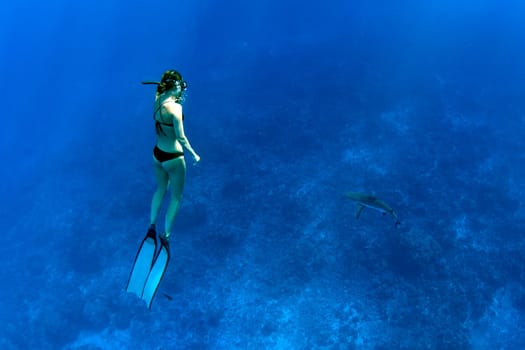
(359, 210)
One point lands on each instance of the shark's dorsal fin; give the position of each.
(360, 208)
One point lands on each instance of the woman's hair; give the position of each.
(169, 80)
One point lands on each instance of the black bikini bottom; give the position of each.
(162, 156)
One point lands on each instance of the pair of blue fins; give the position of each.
(149, 267)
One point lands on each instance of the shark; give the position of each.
(365, 200)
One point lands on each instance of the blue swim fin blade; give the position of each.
(157, 272)
(143, 264)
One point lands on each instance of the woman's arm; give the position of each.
(175, 110)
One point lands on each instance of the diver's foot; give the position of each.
(152, 231)
(164, 240)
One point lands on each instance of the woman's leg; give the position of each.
(162, 185)
(176, 169)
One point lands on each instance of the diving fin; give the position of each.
(143, 263)
(157, 272)
(149, 267)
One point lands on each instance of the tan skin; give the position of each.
(171, 172)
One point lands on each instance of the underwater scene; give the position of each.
(321, 175)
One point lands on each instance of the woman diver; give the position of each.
(168, 156)
(170, 168)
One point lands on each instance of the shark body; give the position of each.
(365, 200)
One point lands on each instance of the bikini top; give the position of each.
(158, 123)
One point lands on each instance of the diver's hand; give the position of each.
(196, 159)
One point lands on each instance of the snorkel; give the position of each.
(150, 83)
(171, 80)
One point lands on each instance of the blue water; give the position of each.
(290, 105)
